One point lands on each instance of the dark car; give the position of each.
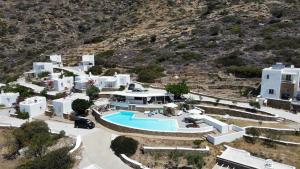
(84, 123)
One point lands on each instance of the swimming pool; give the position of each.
(128, 119)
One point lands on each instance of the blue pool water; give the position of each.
(128, 119)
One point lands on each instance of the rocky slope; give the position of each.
(178, 34)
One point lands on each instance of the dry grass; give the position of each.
(245, 123)
(159, 160)
(5, 135)
(281, 153)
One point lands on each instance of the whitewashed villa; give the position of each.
(34, 106)
(8, 99)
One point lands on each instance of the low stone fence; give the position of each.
(234, 106)
(132, 163)
(237, 113)
(275, 141)
(228, 137)
(281, 131)
(147, 149)
(279, 104)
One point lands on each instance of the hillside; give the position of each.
(184, 36)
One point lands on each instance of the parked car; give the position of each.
(84, 123)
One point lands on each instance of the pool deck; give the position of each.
(180, 119)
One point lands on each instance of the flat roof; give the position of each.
(149, 93)
(245, 158)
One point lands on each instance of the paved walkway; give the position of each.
(96, 143)
(281, 113)
(35, 88)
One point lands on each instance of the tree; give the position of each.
(124, 145)
(178, 89)
(92, 92)
(80, 106)
(96, 70)
(26, 132)
(36, 136)
(58, 159)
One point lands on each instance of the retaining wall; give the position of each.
(279, 104)
(237, 113)
(124, 129)
(132, 163)
(229, 137)
(275, 141)
(148, 149)
(274, 130)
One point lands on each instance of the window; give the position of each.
(268, 76)
(271, 91)
(288, 77)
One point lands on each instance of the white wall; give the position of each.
(39, 67)
(220, 126)
(61, 84)
(123, 80)
(229, 137)
(8, 99)
(62, 106)
(35, 106)
(274, 82)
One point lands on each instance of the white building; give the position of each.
(237, 158)
(39, 67)
(280, 82)
(62, 84)
(81, 82)
(35, 106)
(102, 82)
(87, 62)
(150, 97)
(63, 106)
(8, 99)
(56, 60)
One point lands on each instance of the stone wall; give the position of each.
(237, 113)
(279, 104)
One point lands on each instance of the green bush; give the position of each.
(111, 72)
(80, 106)
(124, 145)
(254, 104)
(177, 89)
(187, 56)
(95, 39)
(92, 92)
(43, 74)
(232, 59)
(24, 91)
(95, 70)
(22, 115)
(195, 159)
(245, 71)
(57, 159)
(101, 58)
(149, 73)
(282, 42)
